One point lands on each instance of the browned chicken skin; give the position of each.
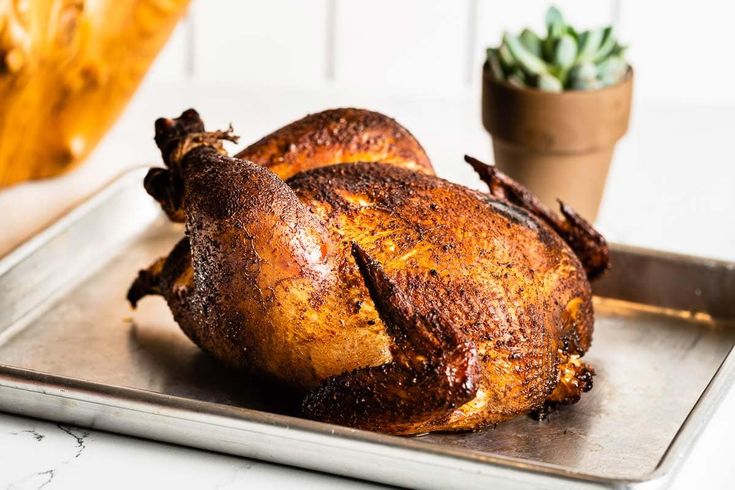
(398, 301)
(337, 136)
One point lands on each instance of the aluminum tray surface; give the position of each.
(72, 350)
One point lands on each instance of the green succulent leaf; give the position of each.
(547, 49)
(516, 81)
(606, 46)
(549, 83)
(493, 61)
(553, 17)
(565, 52)
(612, 70)
(531, 64)
(618, 50)
(584, 71)
(531, 41)
(519, 74)
(557, 31)
(589, 44)
(573, 32)
(506, 59)
(556, 27)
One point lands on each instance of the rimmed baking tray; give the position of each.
(71, 350)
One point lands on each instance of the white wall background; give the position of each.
(680, 50)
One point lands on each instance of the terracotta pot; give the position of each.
(557, 144)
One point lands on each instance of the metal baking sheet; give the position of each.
(71, 350)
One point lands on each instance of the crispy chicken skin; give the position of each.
(337, 136)
(397, 301)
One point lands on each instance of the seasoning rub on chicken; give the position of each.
(328, 256)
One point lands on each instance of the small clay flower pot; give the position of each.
(557, 144)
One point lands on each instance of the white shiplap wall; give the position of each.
(408, 45)
(680, 50)
(281, 42)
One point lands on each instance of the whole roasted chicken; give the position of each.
(328, 256)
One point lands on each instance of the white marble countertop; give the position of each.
(672, 187)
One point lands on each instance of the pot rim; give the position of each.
(488, 77)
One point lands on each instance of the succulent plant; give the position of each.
(564, 60)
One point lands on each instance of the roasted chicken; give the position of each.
(392, 299)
